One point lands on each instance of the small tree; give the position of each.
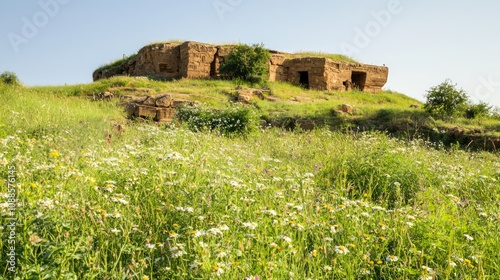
(9, 78)
(445, 100)
(249, 63)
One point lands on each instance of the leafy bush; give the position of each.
(445, 100)
(249, 63)
(482, 109)
(385, 115)
(495, 113)
(236, 120)
(9, 78)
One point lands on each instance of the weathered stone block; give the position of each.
(164, 100)
(146, 112)
(456, 132)
(149, 101)
(165, 114)
(131, 109)
(244, 98)
(277, 59)
(346, 108)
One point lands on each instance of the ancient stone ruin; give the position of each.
(159, 108)
(198, 60)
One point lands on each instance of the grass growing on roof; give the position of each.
(116, 63)
(336, 57)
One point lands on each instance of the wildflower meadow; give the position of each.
(82, 201)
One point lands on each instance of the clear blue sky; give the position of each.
(422, 42)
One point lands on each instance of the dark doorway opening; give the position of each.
(358, 80)
(304, 79)
(213, 67)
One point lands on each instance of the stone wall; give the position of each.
(160, 60)
(326, 74)
(222, 52)
(338, 72)
(277, 72)
(197, 60)
(313, 66)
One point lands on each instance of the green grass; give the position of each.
(172, 41)
(159, 202)
(328, 100)
(336, 57)
(387, 110)
(39, 112)
(116, 63)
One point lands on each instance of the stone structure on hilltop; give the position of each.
(197, 60)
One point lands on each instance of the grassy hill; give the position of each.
(162, 202)
(386, 111)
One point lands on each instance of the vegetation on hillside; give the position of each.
(236, 120)
(9, 79)
(249, 63)
(117, 64)
(163, 202)
(336, 57)
(447, 101)
(386, 111)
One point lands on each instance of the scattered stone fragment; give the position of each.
(346, 108)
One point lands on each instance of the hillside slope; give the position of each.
(290, 106)
(159, 202)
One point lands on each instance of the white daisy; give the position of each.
(468, 237)
(342, 250)
(250, 225)
(392, 258)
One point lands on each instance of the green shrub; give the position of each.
(385, 115)
(482, 109)
(249, 63)
(235, 120)
(495, 113)
(445, 100)
(9, 78)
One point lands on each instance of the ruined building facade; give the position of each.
(197, 60)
